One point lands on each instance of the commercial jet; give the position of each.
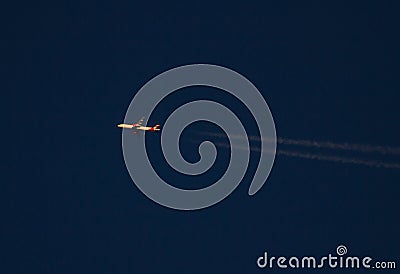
(139, 126)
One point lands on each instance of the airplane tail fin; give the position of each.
(155, 127)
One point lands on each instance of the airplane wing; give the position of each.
(139, 123)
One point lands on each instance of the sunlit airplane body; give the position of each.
(139, 126)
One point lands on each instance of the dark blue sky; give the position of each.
(329, 71)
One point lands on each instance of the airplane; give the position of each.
(139, 126)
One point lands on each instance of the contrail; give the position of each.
(316, 156)
(338, 159)
(322, 144)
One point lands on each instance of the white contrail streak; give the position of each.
(316, 156)
(322, 144)
(338, 159)
(342, 146)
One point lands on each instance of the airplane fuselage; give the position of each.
(139, 127)
(147, 128)
(125, 126)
